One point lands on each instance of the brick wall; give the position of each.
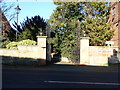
(115, 19)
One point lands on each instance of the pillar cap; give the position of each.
(84, 37)
(41, 36)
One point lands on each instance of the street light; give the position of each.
(0, 25)
(18, 11)
(40, 33)
(0, 31)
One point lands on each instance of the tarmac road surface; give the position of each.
(37, 77)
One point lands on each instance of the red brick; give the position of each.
(116, 22)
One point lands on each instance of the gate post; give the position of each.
(41, 42)
(84, 50)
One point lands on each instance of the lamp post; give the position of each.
(17, 12)
(40, 33)
(0, 31)
(0, 25)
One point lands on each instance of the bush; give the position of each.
(75, 54)
(13, 45)
(27, 42)
(4, 43)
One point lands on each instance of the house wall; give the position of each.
(115, 20)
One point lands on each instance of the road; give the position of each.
(43, 78)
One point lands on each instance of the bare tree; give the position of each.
(4, 12)
(5, 8)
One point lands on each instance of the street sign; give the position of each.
(109, 42)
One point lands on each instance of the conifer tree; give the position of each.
(30, 28)
(92, 17)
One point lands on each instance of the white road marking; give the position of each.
(82, 82)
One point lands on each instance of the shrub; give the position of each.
(75, 54)
(13, 45)
(3, 44)
(27, 42)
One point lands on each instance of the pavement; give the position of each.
(65, 66)
(78, 67)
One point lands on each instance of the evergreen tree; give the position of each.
(92, 17)
(64, 24)
(97, 30)
(95, 23)
(30, 28)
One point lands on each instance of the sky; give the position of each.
(31, 9)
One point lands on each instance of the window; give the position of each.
(112, 19)
(117, 25)
(113, 11)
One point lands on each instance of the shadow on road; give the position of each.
(66, 67)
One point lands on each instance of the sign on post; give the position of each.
(109, 42)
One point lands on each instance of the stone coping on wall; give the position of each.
(28, 45)
(7, 49)
(106, 46)
(41, 36)
(84, 37)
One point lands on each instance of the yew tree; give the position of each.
(30, 28)
(71, 19)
